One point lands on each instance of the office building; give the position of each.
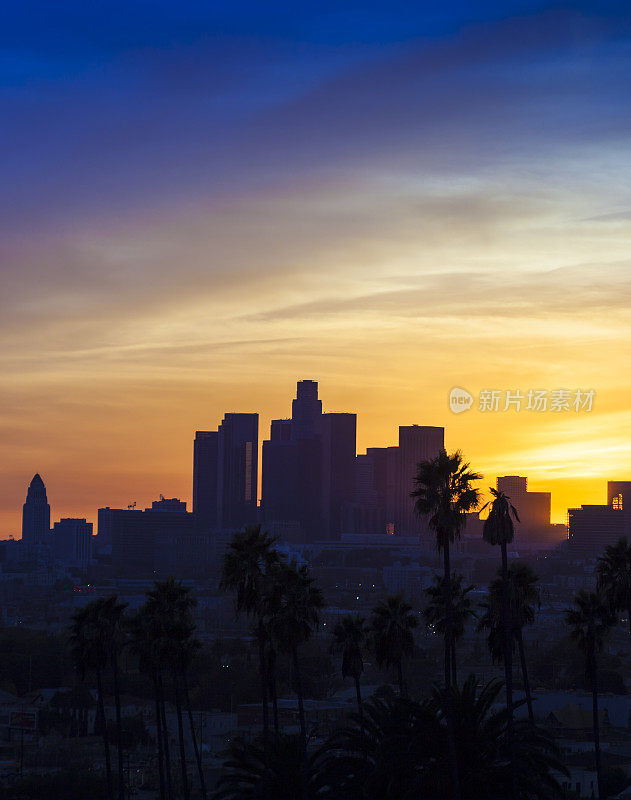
(205, 452)
(225, 474)
(36, 514)
(72, 542)
(308, 469)
(591, 528)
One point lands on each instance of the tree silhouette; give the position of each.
(391, 624)
(589, 620)
(614, 576)
(445, 495)
(499, 529)
(463, 611)
(247, 562)
(524, 595)
(349, 636)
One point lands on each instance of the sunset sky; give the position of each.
(201, 203)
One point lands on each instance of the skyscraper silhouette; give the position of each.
(36, 514)
(205, 479)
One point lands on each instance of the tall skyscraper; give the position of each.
(237, 471)
(205, 455)
(36, 514)
(416, 443)
(338, 434)
(308, 469)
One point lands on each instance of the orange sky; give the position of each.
(187, 229)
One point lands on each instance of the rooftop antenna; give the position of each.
(131, 505)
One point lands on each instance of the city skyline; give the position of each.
(260, 435)
(201, 204)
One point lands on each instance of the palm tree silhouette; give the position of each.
(349, 636)
(499, 529)
(524, 595)
(590, 620)
(297, 605)
(90, 652)
(444, 493)
(614, 576)
(399, 751)
(391, 624)
(434, 612)
(247, 563)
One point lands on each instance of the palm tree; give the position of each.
(90, 652)
(147, 643)
(462, 610)
(113, 616)
(524, 595)
(444, 493)
(171, 605)
(297, 605)
(391, 624)
(251, 771)
(499, 529)
(349, 636)
(614, 576)
(249, 558)
(399, 752)
(590, 620)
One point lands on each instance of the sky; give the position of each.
(201, 203)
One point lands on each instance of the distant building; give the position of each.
(205, 479)
(384, 480)
(619, 498)
(534, 531)
(72, 542)
(591, 528)
(147, 542)
(36, 514)
(225, 474)
(308, 469)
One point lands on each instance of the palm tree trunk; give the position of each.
(180, 735)
(272, 685)
(159, 737)
(106, 739)
(524, 674)
(263, 676)
(198, 757)
(301, 705)
(594, 683)
(165, 741)
(508, 668)
(119, 730)
(303, 724)
(449, 631)
(401, 681)
(629, 618)
(454, 669)
(360, 705)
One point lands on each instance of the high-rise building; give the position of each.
(237, 471)
(416, 443)
(534, 508)
(338, 436)
(205, 454)
(308, 469)
(591, 528)
(36, 514)
(72, 542)
(225, 474)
